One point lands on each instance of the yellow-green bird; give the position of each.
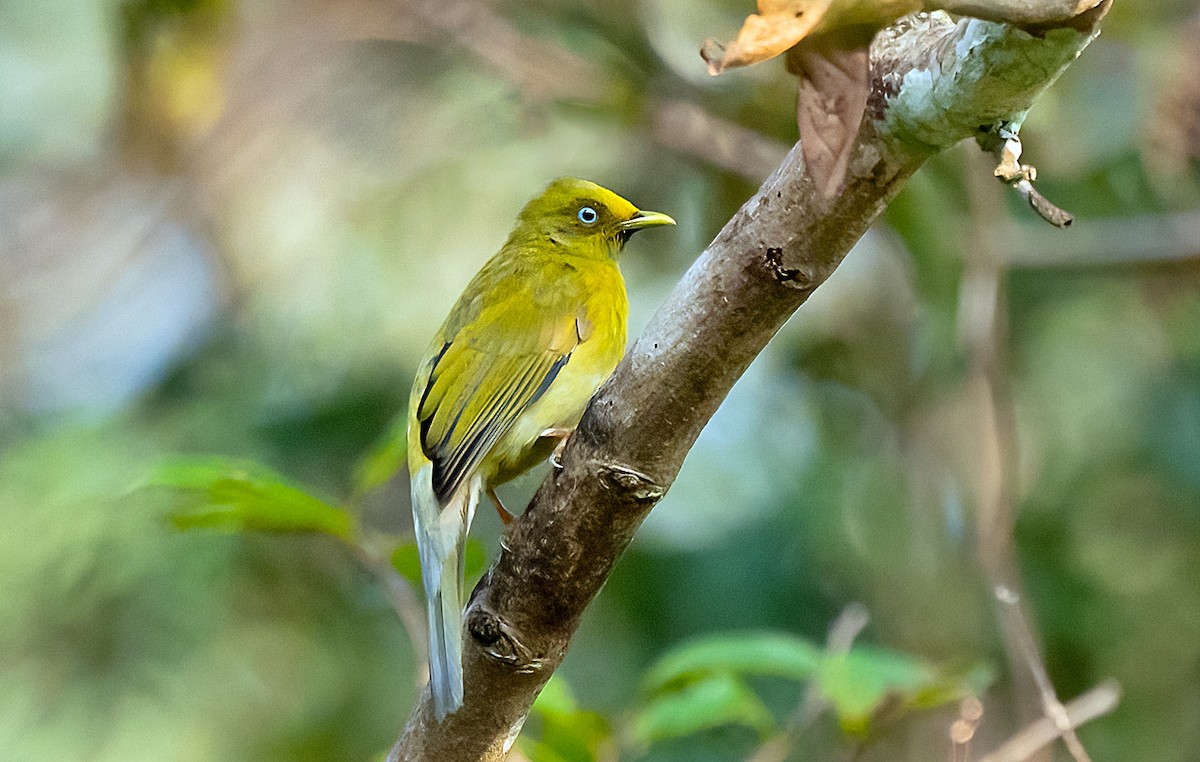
(536, 332)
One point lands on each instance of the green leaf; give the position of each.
(384, 460)
(200, 473)
(239, 497)
(857, 682)
(406, 560)
(714, 701)
(752, 653)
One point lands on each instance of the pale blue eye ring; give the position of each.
(588, 215)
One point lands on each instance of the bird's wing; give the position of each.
(483, 378)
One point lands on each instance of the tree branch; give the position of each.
(935, 82)
(1026, 13)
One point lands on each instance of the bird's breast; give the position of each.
(605, 312)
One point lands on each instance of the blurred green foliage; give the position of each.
(561, 731)
(702, 684)
(220, 495)
(231, 227)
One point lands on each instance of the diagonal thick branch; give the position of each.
(934, 83)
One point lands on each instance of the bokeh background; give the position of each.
(229, 227)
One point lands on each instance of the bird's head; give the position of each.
(583, 217)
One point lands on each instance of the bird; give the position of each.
(506, 379)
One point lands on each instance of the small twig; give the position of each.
(984, 340)
(1020, 629)
(1056, 216)
(846, 628)
(1097, 702)
(1020, 176)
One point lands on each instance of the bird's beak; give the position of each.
(644, 220)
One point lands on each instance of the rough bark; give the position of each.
(1024, 13)
(934, 83)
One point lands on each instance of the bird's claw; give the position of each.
(561, 435)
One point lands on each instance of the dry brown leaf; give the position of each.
(827, 43)
(834, 85)
(781, 24)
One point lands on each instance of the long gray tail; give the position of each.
(441, 533)
(444, 607)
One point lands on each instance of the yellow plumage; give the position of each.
(532, 337)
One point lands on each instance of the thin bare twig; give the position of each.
(983, 327)
(1097, 702)
(1011, 171)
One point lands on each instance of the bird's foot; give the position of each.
(561, 435)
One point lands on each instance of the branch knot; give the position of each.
(789, 276)
(499, 641)
(637, 485)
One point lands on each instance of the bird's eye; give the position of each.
(588, 215)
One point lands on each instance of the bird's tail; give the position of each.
(444, 606)
(441, 534)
